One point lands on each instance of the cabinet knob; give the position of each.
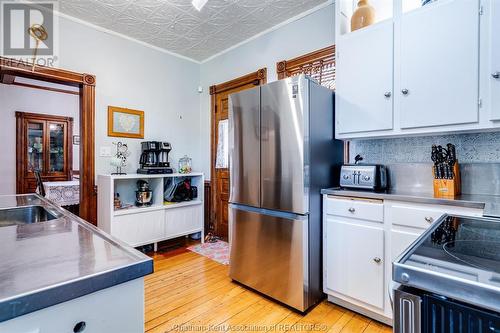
(388, 94)
(351, 210)
(377, 260)
(79, 327)
(429, 219)
(496, 75)
(405, 91)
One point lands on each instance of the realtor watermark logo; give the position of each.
(29, 31)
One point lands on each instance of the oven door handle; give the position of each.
(407, 312)
(390, 291)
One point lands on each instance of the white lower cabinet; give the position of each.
(400, 240)
(361, 239)
(115, 309)
(408, 221)
(354, 257)
(182, 221)
(136, 229)
(161, 221)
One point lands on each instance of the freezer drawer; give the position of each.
(269, 254)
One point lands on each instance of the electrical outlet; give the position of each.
(105, 151)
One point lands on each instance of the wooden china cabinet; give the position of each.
(44, 143)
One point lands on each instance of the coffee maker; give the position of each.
(154, 158)
(165, 149)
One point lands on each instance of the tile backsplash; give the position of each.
(471, 148)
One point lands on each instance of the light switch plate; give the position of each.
(105, 151)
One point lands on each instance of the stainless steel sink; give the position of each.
(25, 215)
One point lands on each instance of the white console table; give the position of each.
(139, 226)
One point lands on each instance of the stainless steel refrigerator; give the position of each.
(282, 152)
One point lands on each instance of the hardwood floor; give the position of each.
(191, 293)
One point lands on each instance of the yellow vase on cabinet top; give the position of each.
(363, 16)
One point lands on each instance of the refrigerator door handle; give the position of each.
(268, 212)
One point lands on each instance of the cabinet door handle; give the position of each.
(80, 327)
(377, 260)
(405, 91)
(429, 219)
(351, 210)
(388, 94)
(496, 75)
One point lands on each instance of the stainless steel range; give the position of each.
(450, 278)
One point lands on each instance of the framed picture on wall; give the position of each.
(125, 123)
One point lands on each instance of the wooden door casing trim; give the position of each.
(86, 84)
(258, 78)
(286, 68)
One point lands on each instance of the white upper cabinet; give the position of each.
(364, 80)
(493, 70)
(432, 61)
(438, 51)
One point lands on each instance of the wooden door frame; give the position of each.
(11, 68)
(258, 77)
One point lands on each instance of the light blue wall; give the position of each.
(135, 76)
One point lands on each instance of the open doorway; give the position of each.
(46, 140)
(50, 143)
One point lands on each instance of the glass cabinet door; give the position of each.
(56, 147)
(35, 147)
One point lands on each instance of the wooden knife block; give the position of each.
(448, 188)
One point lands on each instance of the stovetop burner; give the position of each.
(464, 241)
(475, 253)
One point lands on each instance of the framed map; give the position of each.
(125, 123)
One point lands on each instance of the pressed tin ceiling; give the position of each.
(176, 26)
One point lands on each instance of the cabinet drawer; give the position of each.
(371, 210)
(422, 216)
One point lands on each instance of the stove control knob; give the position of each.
(345, 176)
(405, 277)
(366, 178)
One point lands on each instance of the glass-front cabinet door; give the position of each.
(57, 154)
(44, 144)
(35, 158)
